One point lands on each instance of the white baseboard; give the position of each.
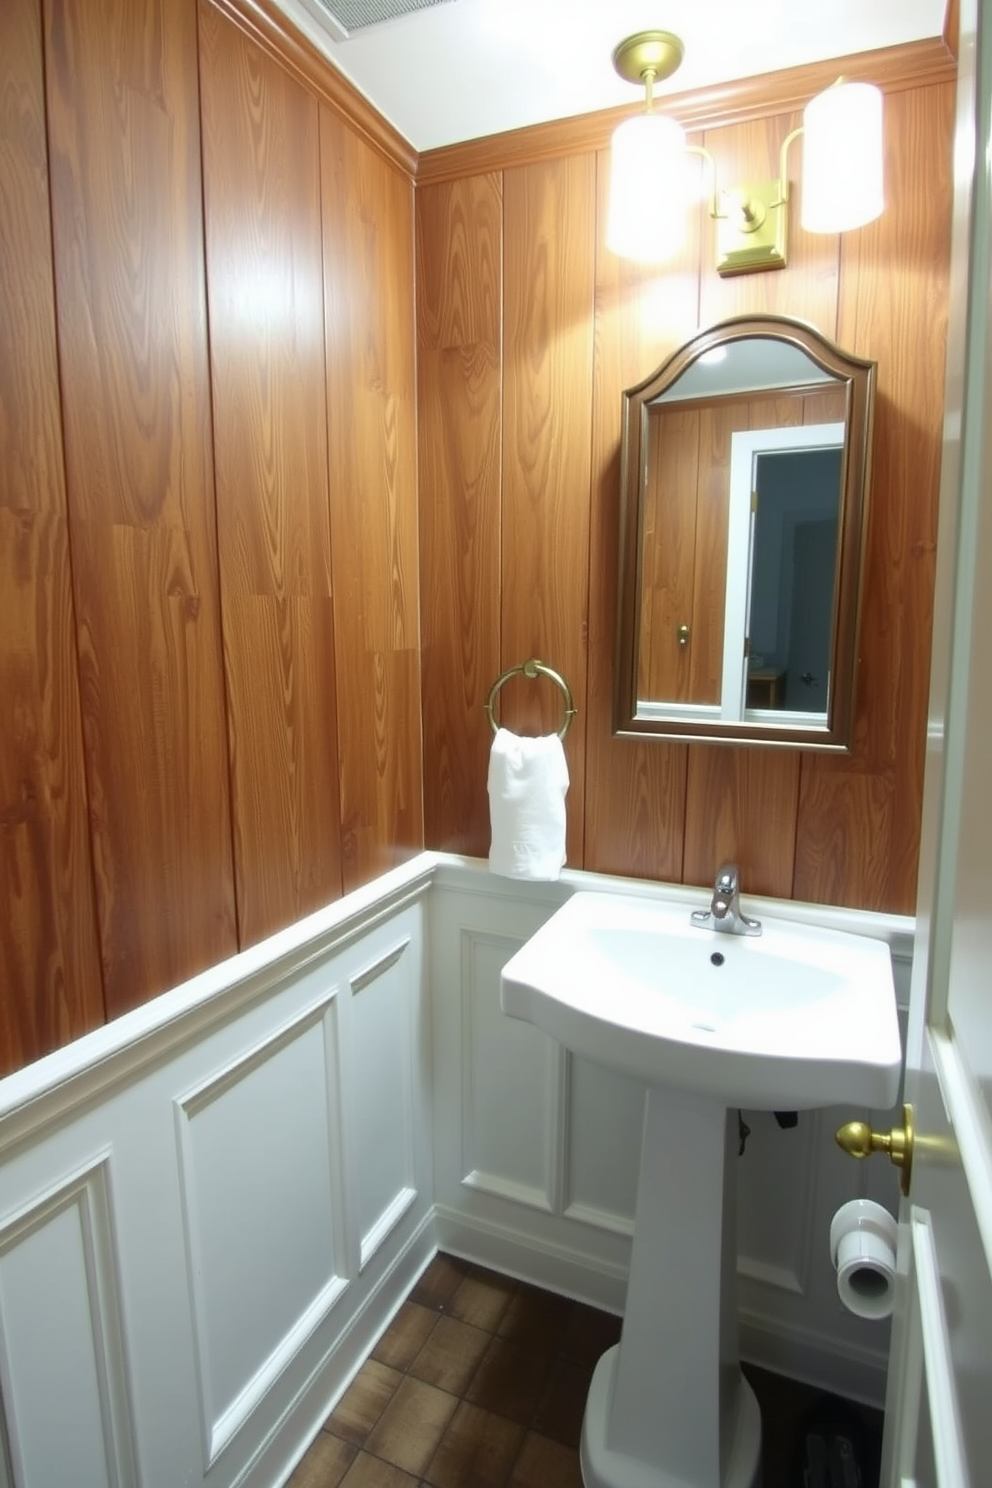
(798, 1353)
(513, 1253)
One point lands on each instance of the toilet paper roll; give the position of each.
(863, 1239)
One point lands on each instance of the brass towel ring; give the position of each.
(533, 668)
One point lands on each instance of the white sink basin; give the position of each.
(794, 1018)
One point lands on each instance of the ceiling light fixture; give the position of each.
(649, 185)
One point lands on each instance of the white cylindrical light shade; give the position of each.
(842, 158)
(647, 188)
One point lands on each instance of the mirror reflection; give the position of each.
(743, 483)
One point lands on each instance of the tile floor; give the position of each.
(480, 1382)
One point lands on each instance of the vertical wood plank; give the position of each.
(265, 291)
(709, 603)
(669, 556)
(547, 415)
(368, 244)
(127, 230)
(860, 815)
(459, 300)
(742, 804)
(49, 953)
(635, 800)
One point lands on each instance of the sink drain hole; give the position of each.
(717, 958)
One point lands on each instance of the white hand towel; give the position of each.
(528, 779)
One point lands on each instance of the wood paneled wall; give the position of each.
(216, 639)
(515, 286)
(209, 652)
(50, 983)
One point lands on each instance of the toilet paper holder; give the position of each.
(858, 1140)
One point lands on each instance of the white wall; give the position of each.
(210, 1209)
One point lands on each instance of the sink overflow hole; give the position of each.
(717, 958)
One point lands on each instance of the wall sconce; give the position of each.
(649, 190)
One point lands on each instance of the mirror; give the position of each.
(744, 502)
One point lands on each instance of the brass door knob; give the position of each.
(858, 1140)
(683, 634)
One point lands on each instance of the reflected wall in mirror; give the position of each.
(744, 499)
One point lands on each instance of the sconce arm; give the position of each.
(783, 172)
(783, 175)
(711, 171)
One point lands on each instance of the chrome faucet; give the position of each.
(725, 913)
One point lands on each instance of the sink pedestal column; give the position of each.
(668, 1407)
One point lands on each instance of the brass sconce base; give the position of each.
(751, 229)
(657, 53)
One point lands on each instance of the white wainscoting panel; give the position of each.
(504, 1166)
(262, 1200)
(66, 1411)
(511, 1086)
(605, 1120)
(380, 1079)
(774, 1238)
(181, 1213)
(210, 1209)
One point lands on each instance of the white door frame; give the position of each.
(745, 446)
(938, 1425)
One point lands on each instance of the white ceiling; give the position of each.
(467, 68)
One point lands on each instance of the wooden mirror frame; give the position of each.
(857, 377)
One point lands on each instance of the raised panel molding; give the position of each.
(604, 1121)
(263, 1201)
(776, 1239)
(513, 1086)
(359, 980)
(380, 1077)
(61, 1340)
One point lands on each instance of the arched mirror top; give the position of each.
(744, 488)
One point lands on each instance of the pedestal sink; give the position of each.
(797, 1018)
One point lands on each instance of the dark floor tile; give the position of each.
(410, 1429)
(481, 1382)
(563, 1401)
(482, 1298)
(543, 1463)
(405, 1336)
(450, 1356)
(325, 1463)
(588, 1334)
(535, 1318)
(477, 1451)
(439, 1282)
(510, 1380)
(363, 1402)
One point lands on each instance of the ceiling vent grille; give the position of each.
(359, 15)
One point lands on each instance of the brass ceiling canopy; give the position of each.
(653, 55)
